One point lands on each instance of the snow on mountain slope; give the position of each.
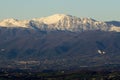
(60, 22)
(13, 23)
(51, 19)
(114, 28)
(70, 23)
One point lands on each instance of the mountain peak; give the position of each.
(52, 19)
(59, 15)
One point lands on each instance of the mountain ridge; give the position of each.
(61, 22)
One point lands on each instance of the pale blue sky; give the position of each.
(103, 10)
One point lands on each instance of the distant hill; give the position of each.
(57, 49)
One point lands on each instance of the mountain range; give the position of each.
(62, 22)
(59, 42)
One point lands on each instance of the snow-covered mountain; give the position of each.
(91, 43)
(60, 22)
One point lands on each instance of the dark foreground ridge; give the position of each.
(9, 74)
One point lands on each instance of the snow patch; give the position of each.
(114, 28)
(101, 52)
